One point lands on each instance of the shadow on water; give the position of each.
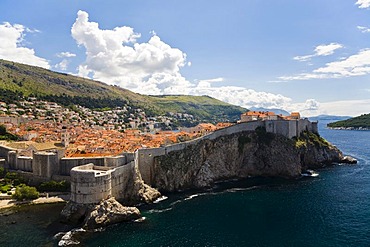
(31, 225)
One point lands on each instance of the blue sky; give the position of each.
(309, 55)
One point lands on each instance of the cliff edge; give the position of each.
(241, 155)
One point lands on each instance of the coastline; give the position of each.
(9, 203)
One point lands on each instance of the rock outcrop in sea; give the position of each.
(136, 192)
(109, 212)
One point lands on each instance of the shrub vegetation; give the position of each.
(24, 192)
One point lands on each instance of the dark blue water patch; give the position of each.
(31, 225)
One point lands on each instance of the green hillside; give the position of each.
(20, 80)
(362, 121)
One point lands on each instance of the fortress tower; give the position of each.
(65, 137)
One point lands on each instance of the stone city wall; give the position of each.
(66, 164)
(145, 157)
(4, 152)
(24, 163)
(91, 184)
(120, 179)
(45, 164)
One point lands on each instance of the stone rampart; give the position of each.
(4, 152)
(144, 159)
(45, 164)
(120, 177)
(24, 163)
(115, 161)
(12, 160)
(91, 184)
(66, 164)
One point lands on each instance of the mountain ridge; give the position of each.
(21, 80)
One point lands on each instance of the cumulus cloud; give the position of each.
(363, 29)
(363, 4)
(240, 95)
(63, 65)
(11, 48)
(115, 56)
(354, 65)
(66, 54)
(320, 50)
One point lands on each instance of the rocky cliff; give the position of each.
(240, 155)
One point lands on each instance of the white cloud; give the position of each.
(355, 65)
(63, 65)
(115, 56)
(240, 95)
(11, 48)
(320, 50)
(346, 107)
(363, 4)
(363, 29)
(339, 108)
(66, 54)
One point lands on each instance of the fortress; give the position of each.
(97, 178)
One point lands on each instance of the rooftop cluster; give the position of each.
(86, 132)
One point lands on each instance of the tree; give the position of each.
(25, 192)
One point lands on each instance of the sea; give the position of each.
(330, 209)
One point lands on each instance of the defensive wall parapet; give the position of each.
(120, 179)
(91, 184)
(66, 164)
(4, 152)
(24, 163)
(45, 164)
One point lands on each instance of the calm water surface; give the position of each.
(332, 209)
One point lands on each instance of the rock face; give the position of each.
(110, 212)
(138, 192)
(92, 216)
(249, 153)
(75, 213)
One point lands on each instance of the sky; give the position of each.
(311, 56)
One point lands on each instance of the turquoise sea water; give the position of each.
(332, 209)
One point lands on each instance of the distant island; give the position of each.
(356, 123)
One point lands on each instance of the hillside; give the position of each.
(362, 121)
(20, 80)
